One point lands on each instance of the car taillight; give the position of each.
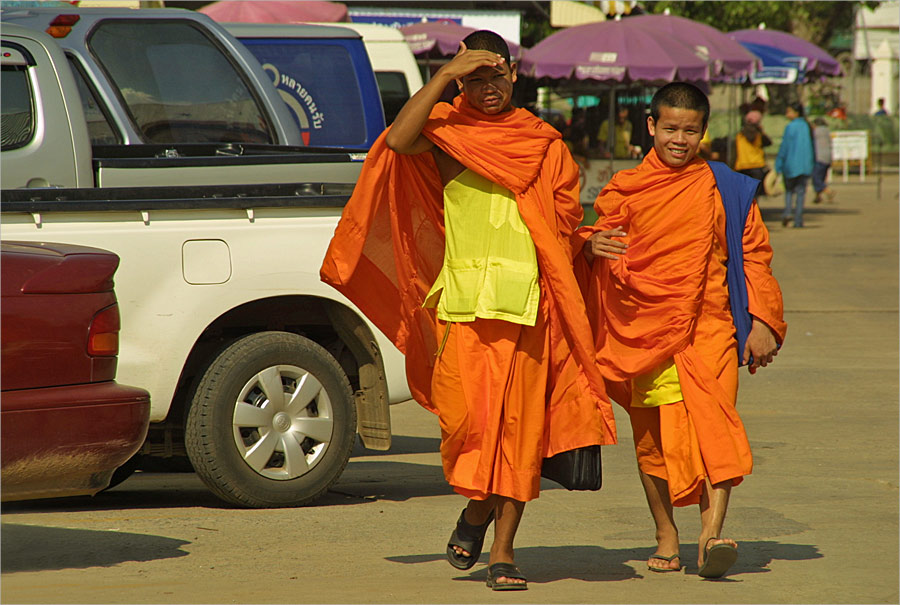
(61, 25)
(103, 337)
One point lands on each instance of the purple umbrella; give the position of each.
(440, 37)
(618, 51)
(728, 56)
(818, 61)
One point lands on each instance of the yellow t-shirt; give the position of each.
(659, 386)
(490, 266)
(622, 145)
(749, 154)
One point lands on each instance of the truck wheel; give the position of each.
(272, 422)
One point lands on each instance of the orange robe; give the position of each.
(667, 297)
(388, 250)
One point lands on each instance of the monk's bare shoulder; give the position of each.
(448, 167)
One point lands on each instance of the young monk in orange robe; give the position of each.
(661, 303)
(505, 361)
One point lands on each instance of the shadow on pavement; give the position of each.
(37, 548)
(401, 444)
(544, 564)
(773, 214)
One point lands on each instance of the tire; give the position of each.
(254, 452)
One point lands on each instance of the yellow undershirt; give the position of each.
(659, 386)
(490, 266)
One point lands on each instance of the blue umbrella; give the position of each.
(778, 66)
(819, 62)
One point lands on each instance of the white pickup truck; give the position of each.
(258, 372)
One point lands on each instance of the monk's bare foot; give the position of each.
(501, 579)
(717, 555)
(660, 562)
(706, 544)
(468, 515)
(666, 557)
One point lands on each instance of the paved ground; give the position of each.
(817, 522)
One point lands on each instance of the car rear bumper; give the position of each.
(67, 441)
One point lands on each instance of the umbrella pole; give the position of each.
(611, 131)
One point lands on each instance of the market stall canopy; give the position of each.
(613, 51)
(275, 11)
(441, 38)
(728, 57)
(818, 61)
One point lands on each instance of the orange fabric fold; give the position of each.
(666, 297)
(492, 412)
(388, 249)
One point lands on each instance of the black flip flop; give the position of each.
(662, 558)
(509, 571)
(717, 559)
(469, 538)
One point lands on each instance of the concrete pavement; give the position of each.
(817, 521)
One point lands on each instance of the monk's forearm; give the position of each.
(405, 135)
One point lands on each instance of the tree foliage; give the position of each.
(815, 21)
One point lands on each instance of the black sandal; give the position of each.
(468, 537)
(508, 571)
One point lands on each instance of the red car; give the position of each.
(65, 424)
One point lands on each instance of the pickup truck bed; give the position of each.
(222, 282)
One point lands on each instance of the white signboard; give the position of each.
(849, 145)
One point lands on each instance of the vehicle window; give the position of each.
(16, 108)
(178, 86)
(99, 127)
(394, 92)
(318, 82)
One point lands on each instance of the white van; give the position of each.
(394, 64)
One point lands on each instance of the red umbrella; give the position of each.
(275, 11)
(441, 38)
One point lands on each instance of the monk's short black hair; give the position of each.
(680, 95)
(484, 39)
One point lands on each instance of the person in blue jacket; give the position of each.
(795, 161)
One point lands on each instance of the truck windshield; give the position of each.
(177, 84)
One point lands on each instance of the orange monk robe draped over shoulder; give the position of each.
(389, 244)
(667, 297)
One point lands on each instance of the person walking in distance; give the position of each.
(677, 279)
(822, 147)
(458, 244)
(795, 161)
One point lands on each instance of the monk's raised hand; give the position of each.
(601, 244)
(761, 346)
(466, 61)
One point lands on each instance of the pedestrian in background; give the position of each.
(621, 133)
(795, 161)
(822, 141)
(750, 155)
